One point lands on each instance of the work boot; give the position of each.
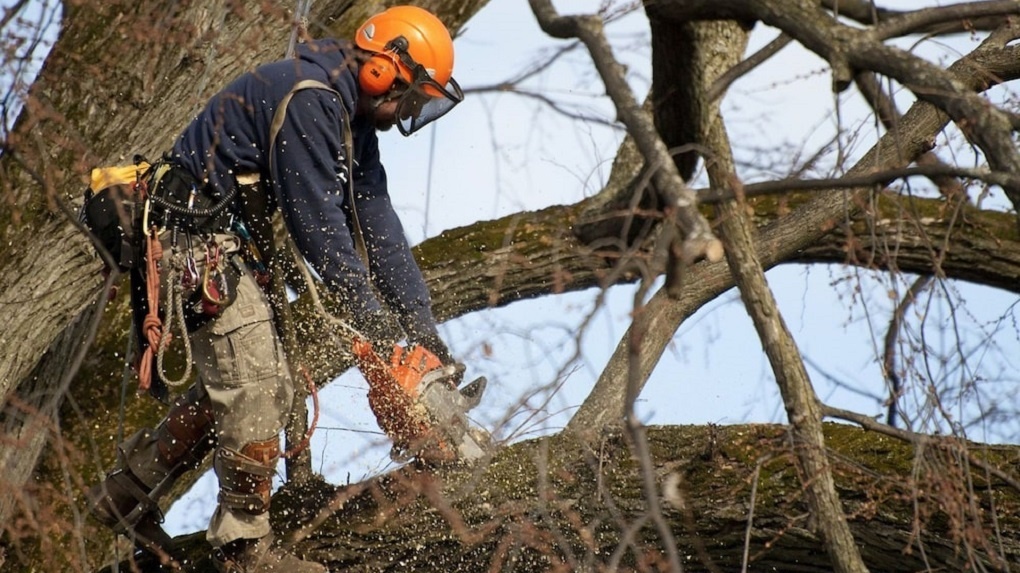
(115, 503)
(261, 555)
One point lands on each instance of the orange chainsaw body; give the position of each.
(393, 390)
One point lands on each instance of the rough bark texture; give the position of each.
(552, 504)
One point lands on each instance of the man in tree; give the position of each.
(307, 128)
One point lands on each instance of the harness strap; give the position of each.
(262, 219)
(274, 131)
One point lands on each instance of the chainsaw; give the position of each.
(418, 405)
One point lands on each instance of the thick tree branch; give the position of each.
(887, 113)
(957, 18)
(544, 504)
(964, 17)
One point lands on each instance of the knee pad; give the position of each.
(246, 476)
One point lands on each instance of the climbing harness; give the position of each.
(172, 210)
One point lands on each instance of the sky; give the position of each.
(500, 153)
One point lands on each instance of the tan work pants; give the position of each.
(242, 369)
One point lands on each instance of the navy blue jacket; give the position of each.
(231, 136)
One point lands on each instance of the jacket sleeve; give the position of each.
(311, 179)
(394, 271)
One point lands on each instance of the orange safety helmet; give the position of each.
(412, 45)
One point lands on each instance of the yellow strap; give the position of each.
(103, 177)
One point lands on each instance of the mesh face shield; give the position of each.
(426, 101)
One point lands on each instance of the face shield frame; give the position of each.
(424, 100)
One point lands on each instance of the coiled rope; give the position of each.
(156, 334)
(175, 308)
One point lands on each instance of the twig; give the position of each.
(891, 337)
(723, 82)
(750, 513)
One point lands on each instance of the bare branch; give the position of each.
(723, 82)
(963, 17)
(881, 178)
(891, 337)
(554, 105)
(791, 375)
(679, 200)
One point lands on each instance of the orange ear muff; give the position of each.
(378, 74)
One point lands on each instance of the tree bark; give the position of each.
(553, 504)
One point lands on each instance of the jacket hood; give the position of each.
(336, 58)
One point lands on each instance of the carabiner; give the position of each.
(208, 296)
(213, 294)
(145, 215)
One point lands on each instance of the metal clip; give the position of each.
(216, 295)
(145, 215)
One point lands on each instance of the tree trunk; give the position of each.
(552, 504)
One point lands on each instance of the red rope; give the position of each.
(152, 326)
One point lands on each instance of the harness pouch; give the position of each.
(112, 211)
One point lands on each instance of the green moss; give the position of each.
(546, 501)
(526, 232)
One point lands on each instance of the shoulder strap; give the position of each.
(274, 130)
